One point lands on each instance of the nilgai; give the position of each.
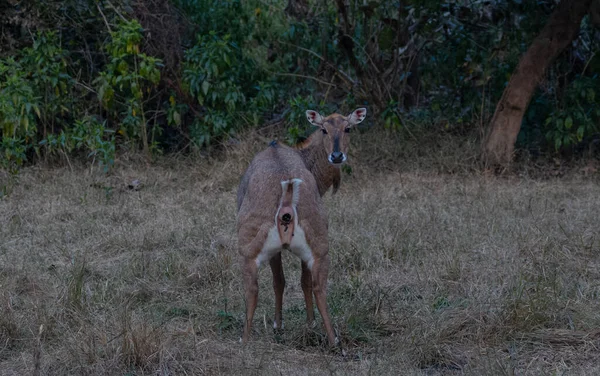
(280, 207)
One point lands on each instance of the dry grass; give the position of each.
(432, 273)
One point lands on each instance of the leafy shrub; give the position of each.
(33, 91)
(298, 127)
(88, 136)
(239, 63)
(213, 76)
(46, 65)
(576, 117)
(226, 70)
(126, 81)
(19, 104)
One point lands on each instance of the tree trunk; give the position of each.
(559, 32)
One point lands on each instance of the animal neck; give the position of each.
(315, 158)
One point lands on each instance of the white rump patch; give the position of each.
(298, 246)
(270, 248)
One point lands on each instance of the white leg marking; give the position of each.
(300, 247)
(270, 248)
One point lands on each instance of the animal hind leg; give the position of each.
(278, 287)
(307, 289)
(319, 281)
(250, 273)
(249, 253)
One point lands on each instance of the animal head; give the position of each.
(336, 132)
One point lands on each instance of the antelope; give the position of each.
(280, 207)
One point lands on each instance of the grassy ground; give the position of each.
(432, 273)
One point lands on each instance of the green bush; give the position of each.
(576, 116)
(214, 75)
(127, 81)
(87, 69)
(88, 136)
(19, 104)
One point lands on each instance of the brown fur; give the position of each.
(259, 197)
(315, 159)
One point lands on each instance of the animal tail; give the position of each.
(286, 214)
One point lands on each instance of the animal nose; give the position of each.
(337, 157)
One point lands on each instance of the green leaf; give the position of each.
(205, 87)
(568, 122)
(177, 118)
(580, 132)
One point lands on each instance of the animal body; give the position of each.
(280, 208)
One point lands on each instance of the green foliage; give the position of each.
(46, 64)
(221, 17)
(234, 64)
(18, 102)
(35, 97)
(390, 117)
(298, 127)
(127, 79)
(34, 91)
(87, 135)
(226, 321)
(226, 70)
(13, 153)
(577, 117)
(213, 77)
(468, 57)
(175, 112)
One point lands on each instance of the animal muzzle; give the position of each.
(337, 157)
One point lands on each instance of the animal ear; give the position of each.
(314, 118)
(357, 116)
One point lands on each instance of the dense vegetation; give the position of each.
(92, 78)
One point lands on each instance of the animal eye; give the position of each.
(347, 130)
(324, 130)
